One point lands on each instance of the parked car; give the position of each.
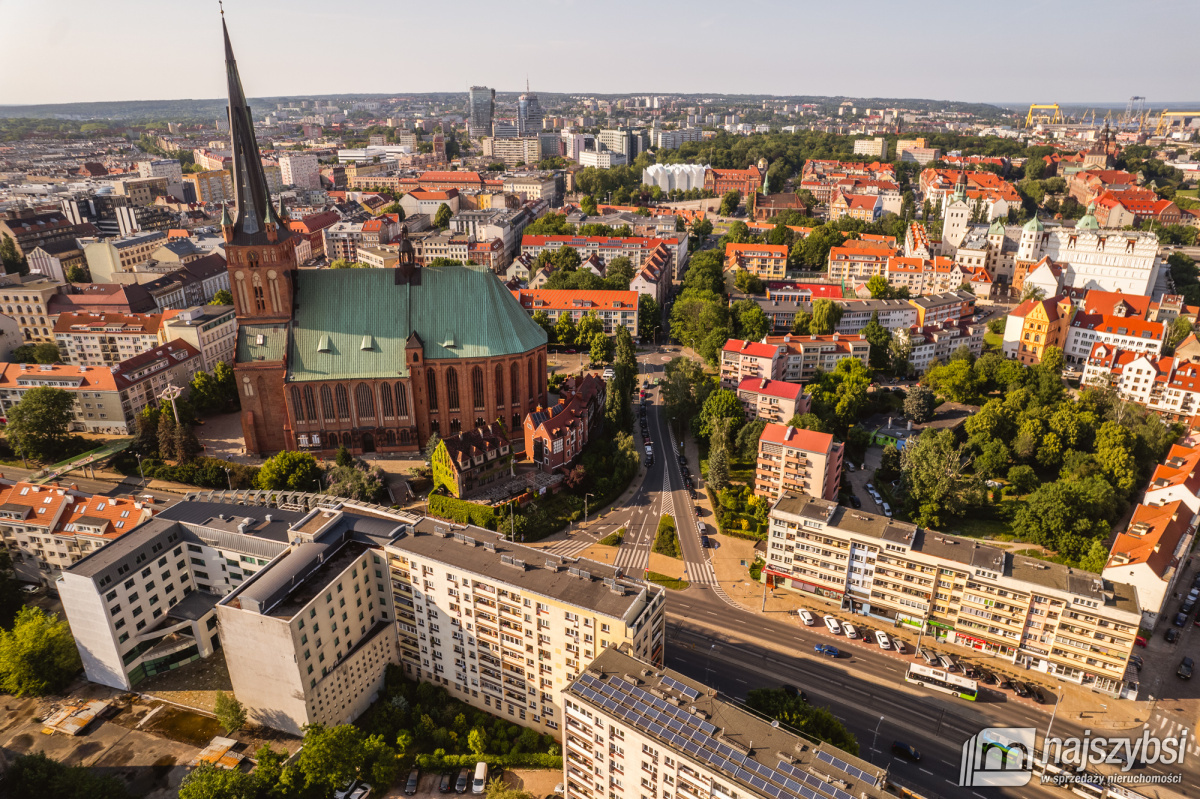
(683, 460)
(887, 509)
(1140, 641)
(833, 625)
(608, 374)
(704, 542)
(1036, 692)
(905, 751)
(1172, 635)
(1020, 689)
(882, 639)
(1185, 669)
(947, 662)
(899, 645)
(871, 488)
(1137, 662)
(446, 782)
(464, 780)
(1180, 619)
(929, 657)
(826, 650)
(987, 677)
(1006, 685)
(413, 782)
(848, 628)
(855, 502)
(649, 449)
(807, 618)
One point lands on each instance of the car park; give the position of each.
(848, 628)
(834, 626)
(906, 751)
(826, 650)
(882, 639)
(807, 618)
(1184, 672)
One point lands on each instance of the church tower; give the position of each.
(259, 247)
(956, 216)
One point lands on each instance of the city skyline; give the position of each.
(618, 64)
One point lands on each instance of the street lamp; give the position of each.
(140, 472)
(875, 740)
(585, 508)
(227, 477)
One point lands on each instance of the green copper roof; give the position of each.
(261, 343)
(997, 228)
(457, 311)
(1088, 221)
(1034, 225)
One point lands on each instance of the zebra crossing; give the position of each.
(1166, 728)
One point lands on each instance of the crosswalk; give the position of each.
(1163, 727)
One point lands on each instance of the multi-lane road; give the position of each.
(712, 639)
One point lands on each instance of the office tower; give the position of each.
(481, 105)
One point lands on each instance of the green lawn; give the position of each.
(667, 582)
(1188, 193)
(993, 341)
(992, 522)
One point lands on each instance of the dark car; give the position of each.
(446, 783)
(905, 751)
(855, 501)
(794, 692)
(1180, 619)
(987, 677)
(1006, 685)
(704, 542)
(464, 780)
(1187, 607)
(827, 650)
(414, 780)
(683, 460)
(1172, 635)
(1185, 669)
(1020, 689)
(1036, 692)
(1137, 661)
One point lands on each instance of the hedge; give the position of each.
(667, 582)
(757, 533)
(523, 760)
(613, 539)
(462, 512)
(666, 540)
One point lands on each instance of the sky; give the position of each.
(1065, 51)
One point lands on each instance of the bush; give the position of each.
(666, 540)
(462, 512)
(614, 539)
(667, 582)
(202, 472)
(435, 762)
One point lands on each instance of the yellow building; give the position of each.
(767, 261)
(1035, 325)
(212, 186)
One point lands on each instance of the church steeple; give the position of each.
(256, 221)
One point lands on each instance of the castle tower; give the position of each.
(259, 248)
(957, 216)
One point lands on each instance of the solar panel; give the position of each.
(676, 685)
(842, 765)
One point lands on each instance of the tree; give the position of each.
(564, 330)
(46, 352)
(879, 287)
(601, 348)
(222, 297)
(1096, 558)
(730, 202)
(166, 434)
(78, 273)
(750, 322)
(1066, 516)
(880, 340)
(685, 389)
(700, 320)
(186, 445)
(588, 327)
(802, 324)
(799, 715)
(38, 655)
(1181, 327)
(900, 350)
(747, 282)
(206, 781)
(431, 445)
(330, 756)
(718, 469)
(441, 220)
(10, 258)
(498, 789)
(1035, 168)
(649, 317)
(38, 424)
(702, 228)
(588, 206)
(1023, 479)
(721, 404)
(477, 741)
(940, 482)
(542, 320)
(825, 316)
(746, 444)
(290, 471)
(39, 776)
(230, 713)
(619, 273)
(919, 404)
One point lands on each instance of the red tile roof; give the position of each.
(772, 388)
(753, 348)
(1152, 537)
(807, 440)
(566, 299)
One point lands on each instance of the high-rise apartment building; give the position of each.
(165, 168)
(481, 105)
(632, 730)
(506, 628)
(300, 170)
(801, 461)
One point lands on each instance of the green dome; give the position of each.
(1088, 221)
(997, 228)
(1034, 225)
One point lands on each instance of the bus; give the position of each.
(942, 681)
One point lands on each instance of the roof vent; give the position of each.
(368, 343)
(323, 345)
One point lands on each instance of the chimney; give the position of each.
(787, 435)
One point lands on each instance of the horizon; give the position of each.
(272, 66)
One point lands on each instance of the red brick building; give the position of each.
(555, 436)
(719, 181)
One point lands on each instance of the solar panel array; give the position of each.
(676, 685)
(692, 734)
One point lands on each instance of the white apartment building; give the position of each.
(633, 730)
(1168, 385)
(876, 148)
(300, 170)
(1046, 617)
(506, 628)
(105, 339)
(601, 159)
(211, 329)
(1120, 332)
(168, 168)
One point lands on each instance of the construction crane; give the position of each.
(1134, 110)
(1055, 117)
(1167, 121)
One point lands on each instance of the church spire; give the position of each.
(255, 221)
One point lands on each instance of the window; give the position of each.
(343, 403)
(385, 401)
(499, 385)
(514, 381)
(431, 389)
(297, 406)
(310, 407)
(452, 389)
(364, 401)
(477, 386)
(401, 400)
(327, 404)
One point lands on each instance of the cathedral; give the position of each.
(375, 360)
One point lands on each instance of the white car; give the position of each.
(850, 631)
(887, 509)
(609, 374)
(898, 645)
(882, 639)
(833, 625)
(649, 450)
(806, 617)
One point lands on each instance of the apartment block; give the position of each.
(46, 528)
(802, 461)
(211, 329)
(767, 261)
(633, 730)
(105, 339)
(28, 302)
(613, 308)
(746, 360)
(1076, 626)
(772, 400)
(109, 257)
(876, 148)
(804, 356)
(211, 186)
(300, 170)
(506, 628)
